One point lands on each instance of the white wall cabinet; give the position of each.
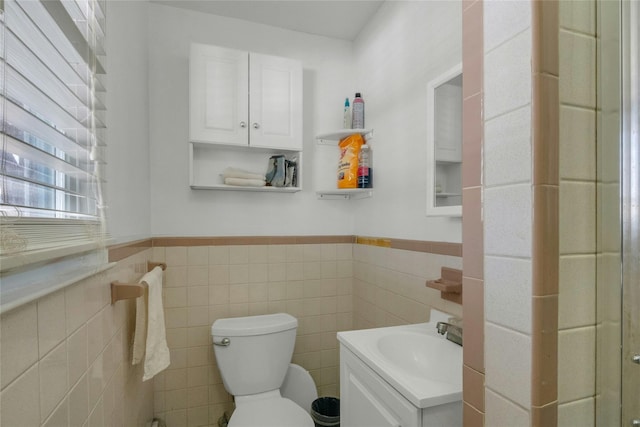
(367, 400)
(243, 98)
(243, 108)
(444, 144)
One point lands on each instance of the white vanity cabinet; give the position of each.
(241, 98)
(367, 400)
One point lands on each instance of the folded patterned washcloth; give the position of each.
(240, 173)
(243, 182)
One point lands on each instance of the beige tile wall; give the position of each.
(577, 288)
(389, 286)
(65, 358)
(312, 282)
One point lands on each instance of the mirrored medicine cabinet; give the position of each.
(444, 144)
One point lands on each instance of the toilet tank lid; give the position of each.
(253, 325)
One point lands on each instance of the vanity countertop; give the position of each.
(422, 365)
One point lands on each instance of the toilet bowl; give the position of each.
(253, 355)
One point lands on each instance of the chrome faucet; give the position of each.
(452, 330)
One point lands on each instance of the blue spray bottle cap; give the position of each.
(346, 102)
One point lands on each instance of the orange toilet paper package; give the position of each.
(348, 165)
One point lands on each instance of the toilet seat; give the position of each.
(270, 412)
(299, 386)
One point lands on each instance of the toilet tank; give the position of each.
(258, 354)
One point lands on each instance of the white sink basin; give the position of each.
(422, 365)
(422, 355)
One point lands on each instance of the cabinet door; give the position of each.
(275, 87)
(368, 401)
(448, 122)
(218, 95)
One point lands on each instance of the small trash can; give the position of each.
(325, 412)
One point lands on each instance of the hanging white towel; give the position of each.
(150, 328)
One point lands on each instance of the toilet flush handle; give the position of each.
(224, 343)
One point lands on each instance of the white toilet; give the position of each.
(254, 355)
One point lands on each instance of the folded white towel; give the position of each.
(240, 173)
(156, 351)
(243, 182)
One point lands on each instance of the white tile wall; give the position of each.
(507, 148)
(579, 16)
(507, 221)
(577, 291)
(577, 69)
(507, 74)
(500, 412)
(507, 292)
(508, 364)
(578, 143)
(577, 413)
(576, 363)
(577, 217)
(507, 211)
(577, 299)
(514, 15)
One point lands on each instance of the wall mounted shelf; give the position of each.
(224, 187)
(334, 137)
(345, 194)
(449, 284)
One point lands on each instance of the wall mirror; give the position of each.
(444, 144)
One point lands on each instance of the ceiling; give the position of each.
(342, 19)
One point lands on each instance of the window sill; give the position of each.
(22, 287)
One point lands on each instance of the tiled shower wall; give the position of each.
(507, 204)
(521, 190)
(577, 299)
(66, 357)
(312, 282)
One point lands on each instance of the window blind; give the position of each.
(52, 111)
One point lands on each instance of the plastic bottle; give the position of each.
(347, 114)
(365, 171)
(358, 112)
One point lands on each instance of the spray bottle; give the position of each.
(347, 114)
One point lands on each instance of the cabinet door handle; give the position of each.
(256, 125)
(243, 124)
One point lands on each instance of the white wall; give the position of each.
(179, 211)
(400, 50)
(406, 45)
(127, 170)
